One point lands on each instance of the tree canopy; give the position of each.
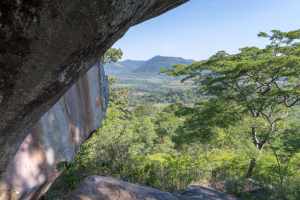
(112, 55)
(257, 84)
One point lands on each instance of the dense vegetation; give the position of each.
(238, 131)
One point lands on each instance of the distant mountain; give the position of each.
(154, 65)
(151, 66)
(126, 66)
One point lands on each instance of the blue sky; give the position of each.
(199, 28)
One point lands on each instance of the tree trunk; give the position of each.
(251, 168)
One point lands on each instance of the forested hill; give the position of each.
(156, 63)
(151, 66)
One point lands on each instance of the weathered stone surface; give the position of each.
(104, 188)
(195, 192)
(56, 137)
(46, 45)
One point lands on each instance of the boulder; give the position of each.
(104, 188)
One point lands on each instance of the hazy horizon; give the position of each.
(124, 59)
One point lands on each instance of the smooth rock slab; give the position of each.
(105, 188)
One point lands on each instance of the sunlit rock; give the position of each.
(105, 188)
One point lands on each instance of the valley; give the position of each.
(146, 83)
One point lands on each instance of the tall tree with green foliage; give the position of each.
(260, 85)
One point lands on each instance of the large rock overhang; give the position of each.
(46, 46)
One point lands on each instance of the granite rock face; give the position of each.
(104, 188)
(45, 47)
(56, 138)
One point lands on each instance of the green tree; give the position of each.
(263, 84)
(112, 55)
(284, 148)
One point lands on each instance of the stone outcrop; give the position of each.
(104, 188)
(195, 192)
(56, 138)
(45, 47)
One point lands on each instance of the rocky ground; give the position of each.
(105, 188)
(196, 192)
